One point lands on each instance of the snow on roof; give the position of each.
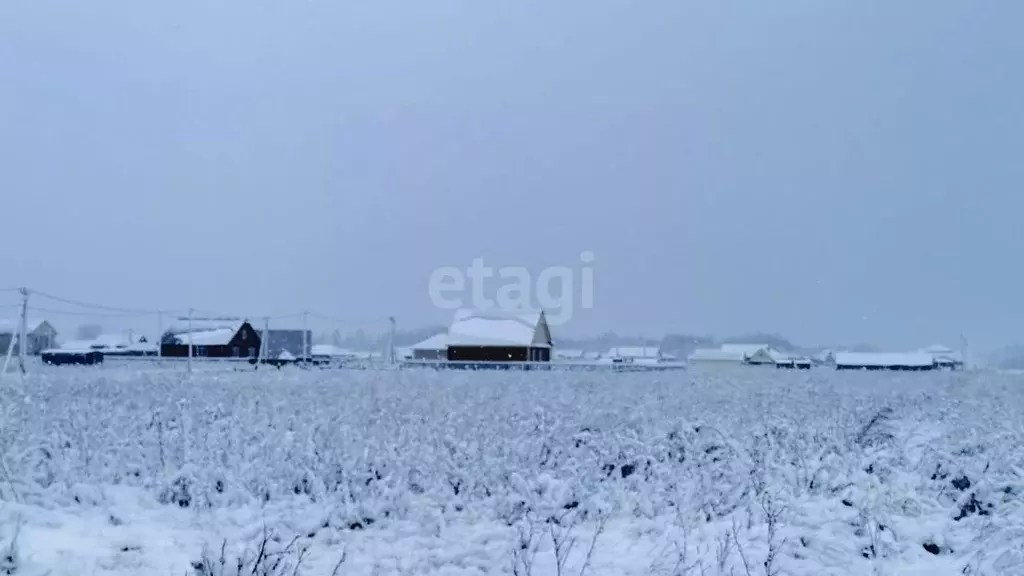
(715, 355)
(884, 359)
(181, 325)
(218, 337)
(498, 328)
(111, 341)
(142, 347)
(634, 351)
(77, 345)
(747, 349)
(944, 354)
(435, 342)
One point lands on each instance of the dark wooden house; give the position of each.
(239, 341)
(499, 337)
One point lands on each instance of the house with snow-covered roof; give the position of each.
(884, 361)
(715, 356)
(40, 335)
(432, 348)
(945, 357)
(789, 360)
(634, 352)
(212, 340)
(115, 344)
(499, 336)
(747, 350)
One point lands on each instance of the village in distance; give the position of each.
(475, 337)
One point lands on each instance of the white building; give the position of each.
(885, 361)
(945, 357)
(433, 348)
(715, 356)
(569, 354)
(748, 354)
(634, 352)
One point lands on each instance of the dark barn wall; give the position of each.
(895, 367)
(181, 351)
(498, 354)
(487, 354)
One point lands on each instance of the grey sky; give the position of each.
(833, 171)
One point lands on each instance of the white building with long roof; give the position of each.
(499, 336)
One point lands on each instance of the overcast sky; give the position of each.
(836, 172)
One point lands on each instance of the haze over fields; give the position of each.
(831, 172)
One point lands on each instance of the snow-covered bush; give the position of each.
(811, 468)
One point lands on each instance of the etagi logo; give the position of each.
(552, 291)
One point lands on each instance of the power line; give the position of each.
(350, 321)
(327, 318)
(79, 303)
(121, 312)
(85, 313)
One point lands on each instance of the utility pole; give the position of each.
(265, 341)
(159, 334)
(190, 340)
(305, 337)
(391, 343)
(23, 332)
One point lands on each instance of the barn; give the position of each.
(914, 361)
(499, 336)
(41, 335)
(232, 340)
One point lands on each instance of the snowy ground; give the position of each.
(115, 471)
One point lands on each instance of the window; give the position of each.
(234, 351)
(252, 352)
(245, 334)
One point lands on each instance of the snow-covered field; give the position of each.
(118, 471)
